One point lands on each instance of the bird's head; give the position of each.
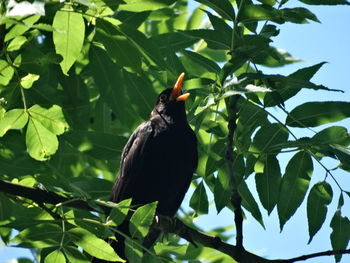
(171, 102)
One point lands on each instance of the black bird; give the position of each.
(158, 160)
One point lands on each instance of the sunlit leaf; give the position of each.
(222, 7)
(41, 142)
(120, 211)
(20, 28)
(6, 72)
(250, 13)
(16, 43)
(94, 246)
(13, 119)
(28, 80)
(144, 5)
(141, 220)
(55, 257)
(51, 118)
(68, 36)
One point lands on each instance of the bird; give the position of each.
(158, 161)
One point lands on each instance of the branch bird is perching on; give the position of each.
(163, 223)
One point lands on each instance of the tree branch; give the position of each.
(318, 254)
(164, 223)
(236, 199)
(41, 196)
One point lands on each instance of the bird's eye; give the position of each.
(163, 97)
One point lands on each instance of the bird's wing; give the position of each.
(131, 161)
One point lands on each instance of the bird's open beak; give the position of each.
(176, 92)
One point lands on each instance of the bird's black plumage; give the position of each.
(158, 160)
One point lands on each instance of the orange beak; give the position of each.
(176, 92)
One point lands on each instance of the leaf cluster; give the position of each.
(76, 77)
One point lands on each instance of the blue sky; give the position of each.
(313, 43)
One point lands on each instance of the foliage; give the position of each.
(76, 77)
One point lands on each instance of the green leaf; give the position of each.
(222, 7)
(274, 57)
(196, 18)
(39, 236)
(144, 45)
(133, 251)
(199, 200)
(144, 5)
(41, 142)
(268, 182)
(342, 154)
(222, 191)
(251, 116)
(51, 118)
(269, 138)
(20, 28)
(120, 211)
(32, 60)
(251, 13)
(313, 114)
(121, 50)
(294, 185)
(6, 72)
(96, 247)
(219, 24)
(68, 36)
(332, 135)
(16, 43)
(121, 90)
(55, 257)
(208, 64)
(268, 2)
(341, 233)
(319, 198)
(13, 119)
(174, 41)
(28, 80)
(249, 203)
(298, 15)
(325, 2)
(141, 220)
(289, 86)
(74, 255)
(99, 145)
(76, 95)
(214, 39)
